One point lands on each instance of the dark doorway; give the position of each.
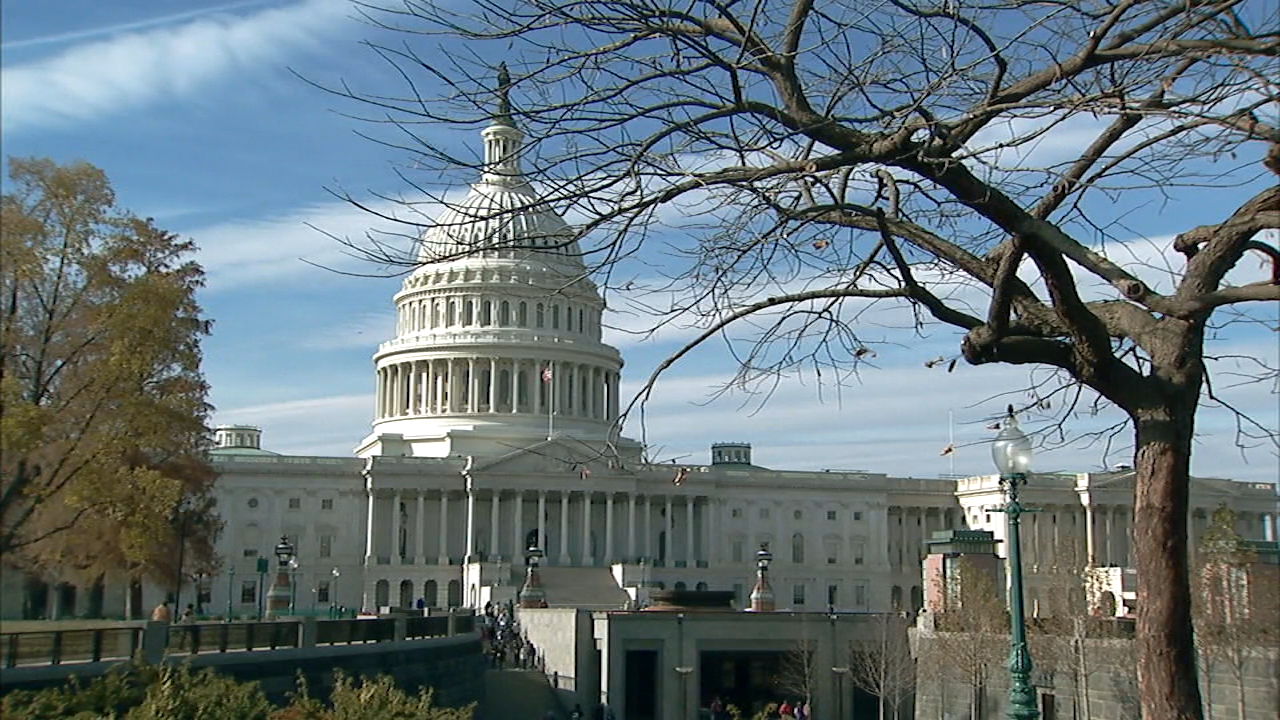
(36, 599)
(746, 680)
(642, 685)
(96, 597)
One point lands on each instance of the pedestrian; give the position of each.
(786, 710)
(162, 613)
(802, 710)
(188, 618)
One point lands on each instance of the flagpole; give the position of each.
(951, 439)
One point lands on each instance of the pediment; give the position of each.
(557, 456)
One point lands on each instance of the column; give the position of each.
(564, 528)
(473, 386)
(587, 558)
(413, 387)
(517, 538)
(495, 512)
(493, 385)
(540, 525)
(613, 395)
(515, 391)
(419, 536)
(690, 556)
(1109, 557)
(443, 558)
(648, 529)
(1090, 552)
(377, 393)
(668, 532)
(471, 523)
(608, 529)
(397, 528)
(368, 528)
(631, 527)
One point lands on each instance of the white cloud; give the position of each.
(143, 24)
(141, 68)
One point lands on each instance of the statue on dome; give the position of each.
(503, 115)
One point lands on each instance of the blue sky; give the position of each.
(196, 112)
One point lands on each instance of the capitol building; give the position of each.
(495, 428)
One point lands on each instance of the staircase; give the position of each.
(518, 695)
(582, 587)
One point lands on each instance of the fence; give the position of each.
(153, 640)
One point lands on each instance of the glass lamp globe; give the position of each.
(763, 557)
(1011, 449)
(284, 551)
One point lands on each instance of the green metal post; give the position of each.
(1022, 697)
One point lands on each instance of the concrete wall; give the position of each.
(1110, 685)
(563, 639)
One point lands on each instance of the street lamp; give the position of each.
(532, 595)
(278, 597)
(762, 594)
(333, 592)
(684, 671)
(293, 585)
(840, 672)
(231, 584)
(1011, 451)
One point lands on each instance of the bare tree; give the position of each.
(1237, 609)
(971, 641)
(785, 166)
(885, 667)
(797, 672)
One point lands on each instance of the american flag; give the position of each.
(546, 374)
(681, 474)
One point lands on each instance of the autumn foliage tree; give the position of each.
(778, 169)
(102, 403)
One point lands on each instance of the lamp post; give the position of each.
(532, 595)
(333, 592)
(1011, 451)
(684, 671)
(762, 594)
(279, 596)
(293, 585)
(840, 672)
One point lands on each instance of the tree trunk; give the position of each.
(1167, 684)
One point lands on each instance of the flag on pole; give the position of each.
(681, 474)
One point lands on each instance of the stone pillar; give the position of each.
(397, 528)
(517, 538)
(631, 527)
(608, 529)
(473, 386)
(564, 528)
(495, 513)
(471, 524)
(419, 523)
(541, 525)
(587, 558)
(1090, 549)
(493, 388)
(1108, 553)
(413, 387)
(443, 558)
(368, 528)
(690, 555)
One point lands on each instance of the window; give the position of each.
(832, 595)
(539, 316)
(860, 595)
(326, 545)
(326, 504)
(522, 314)
(857, 515)
(764, 513)
(797, 594)
(797, 548)
(322, 591)
(248, 592)
(555, 317)
(250, 552)
(832, 547)
(253, 503)
(831, 514)
(295, 503)
(736, 551)
(798, 515)
(736, 512)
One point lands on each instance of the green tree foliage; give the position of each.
(102, 403)
(180, 693)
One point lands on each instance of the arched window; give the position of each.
(504, 390)
(555, 317)
(700, 586)
(452, 318)
(895, 597)
(680, 585)
(431, 594)
(468, 312)
(917, 598)
(435, 313)
(406, 593)
(581, 317)
(797, 548)
(486, 313)
(539, 317)
(504, 314)
(455, 593)
(522, 314)
(382, 593)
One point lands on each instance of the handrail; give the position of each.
(83, 645)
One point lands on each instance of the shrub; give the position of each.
(180, 694)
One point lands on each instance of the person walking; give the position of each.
(162, 613)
